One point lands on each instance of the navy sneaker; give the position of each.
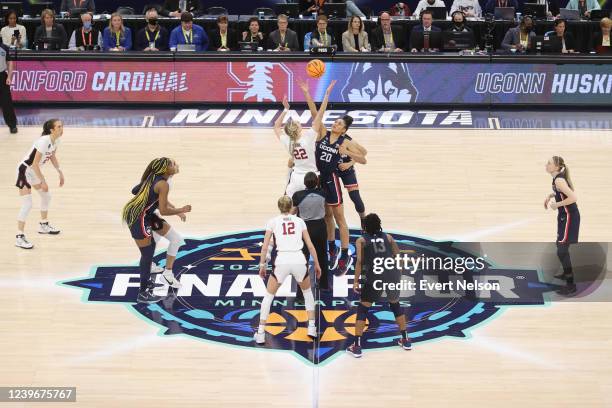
(405, 344)
(148, 297)
(344, 265)
(354, 350)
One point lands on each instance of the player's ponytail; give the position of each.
(372, 224)
(135, 207)
(285, 204)
(48, 126)
(292, 129)
(559, 162)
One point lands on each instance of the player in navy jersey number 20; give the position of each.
(564, 200)
(331, 145)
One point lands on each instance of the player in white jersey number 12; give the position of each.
(290, 234)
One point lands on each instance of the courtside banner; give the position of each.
(243, 82)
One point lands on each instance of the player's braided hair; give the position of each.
(137, 204)
(371, 224)
(559, 162)
(292, 130)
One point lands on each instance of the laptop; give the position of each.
(16, 6)
(550, 44)
(504, 13)
(439, 13)
(335, 10)
(48, 44)
(417, 40)
(535, 10)
(247, 46)
(570, 15)
(185, 47)
(291, 10)
(599, 14)
(457, 40)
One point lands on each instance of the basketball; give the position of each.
(315, 68)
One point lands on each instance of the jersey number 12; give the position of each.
(288, 228)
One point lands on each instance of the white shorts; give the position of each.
(296, 183)
(26, 177)
(290, 263)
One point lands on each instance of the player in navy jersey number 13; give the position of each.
(564, 200)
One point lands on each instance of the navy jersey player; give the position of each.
(331, 145)
(348, 175)
(376, 244)
(139, 214)
(568, 217)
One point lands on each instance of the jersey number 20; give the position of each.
(288, 228)
(326, 157)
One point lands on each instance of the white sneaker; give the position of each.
(260, 338)
(22, 242)
(312, 331)
(172, 281)
(155, 268)
(45, 228)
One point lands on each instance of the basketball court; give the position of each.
(467, 184)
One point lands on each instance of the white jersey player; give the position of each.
(290, 234)
(29, 175)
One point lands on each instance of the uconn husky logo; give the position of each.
(221, 293)
(379, 82)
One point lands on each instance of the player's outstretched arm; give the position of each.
(317, 122)
(278, 124)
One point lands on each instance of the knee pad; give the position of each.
(175, 239)
(362, 312)
(45, 199)
(26, 206)
(356, 198)
(308, 299)
(396, 309)
(265, 306)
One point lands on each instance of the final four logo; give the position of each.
(221, 293)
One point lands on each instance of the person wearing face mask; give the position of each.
(458, 25)
(153, 37)
(85, 38)
(471, 8)
(519, 38)
(423, 4)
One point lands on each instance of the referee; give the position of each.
(8, 111)
(310, 205)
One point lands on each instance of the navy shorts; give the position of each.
(372, 286)
(349, 178)
(146, 223)
(568, 226)
(330, 184)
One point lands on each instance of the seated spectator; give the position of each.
(355, 39)
(567, 40)
(601, 41)
(68, 5)
(583, 6)
(321, 37)
(116, 36)
(519, 38)
(189, 33)
(50, 29)
(307, 7)
(351, 8)
(283, 39)
(85, 38)
(400, 9)
(253, 34)
(385, 37)
(471, 8)
(458, 24)
(423, 4)
(172, 8)
(223, 38)
(153, 37)
(13, 35)
(426, 26)
(491, 5)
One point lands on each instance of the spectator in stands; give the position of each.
(176, 8)
(68, 5)
(583, 6)
(50, 29)
(189, 33)
(567, 40)
(351, 8)
(223, 38)
(601, 41)
(385, 37)
(13, 35)
(471, 8)
(423, 4)
(116, 37)
(458, 25)
(283, 39)
(355, 38)
(253, 34)
(308, 7)
(321, 37)
(400, 9)
(491, 5)
(519, 38)
(85, 38)
(426, 26)
(153, 37)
